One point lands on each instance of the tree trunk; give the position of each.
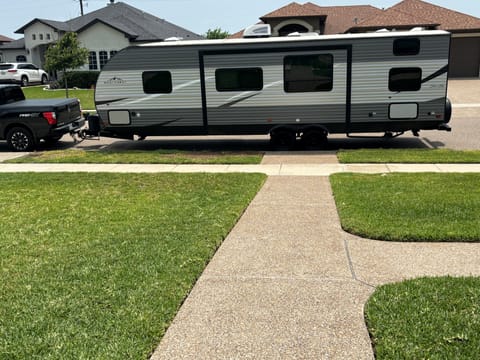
(66, 82)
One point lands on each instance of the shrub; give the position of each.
(80, 79)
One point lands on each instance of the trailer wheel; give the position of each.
(20, 139)
(283, 138)
(314, 139)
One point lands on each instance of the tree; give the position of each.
(217, 33)
(65, 54)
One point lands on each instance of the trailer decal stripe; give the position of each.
(109, 101)
(437, 73)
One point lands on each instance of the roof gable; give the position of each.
(338, 19)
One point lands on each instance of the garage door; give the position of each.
(465, 57)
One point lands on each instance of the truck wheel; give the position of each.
(44, 79)
(20, 139)
(24, 81)
(283, 139)
(314, 139)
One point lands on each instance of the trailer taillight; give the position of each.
(51, 117)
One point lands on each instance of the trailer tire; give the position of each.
(20, 139)
(283, 138)
(314, 139)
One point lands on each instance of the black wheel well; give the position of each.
(16, 125)
(315, 127)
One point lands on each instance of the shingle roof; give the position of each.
(134, 23)
(15, 44)
(338, 18)
(392, 18)
(448, 19)
(4, 39)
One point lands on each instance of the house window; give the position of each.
(40, 37)
(405, 79)
(245, 79)
(21, 58)
(34, 37)
(407, 46)
(157, 82)
(103, 55)
(92, 60)
(308, 73)
(49, 37)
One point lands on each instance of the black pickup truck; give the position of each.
(23, 123)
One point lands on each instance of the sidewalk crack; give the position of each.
(350, 265)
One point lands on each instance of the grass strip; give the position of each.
(409, 156)
(426, 318)
(95, 266)
(409, 207)
(140, 157)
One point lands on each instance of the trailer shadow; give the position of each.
(231, 143)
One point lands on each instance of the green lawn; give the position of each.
(38, 92)
(425, 156)
(427, 318)
(95, 266)
(141, 157)
(409, 207)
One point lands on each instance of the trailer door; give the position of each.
(256, 90)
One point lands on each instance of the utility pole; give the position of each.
(81, 6)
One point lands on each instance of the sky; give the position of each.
(195, 15)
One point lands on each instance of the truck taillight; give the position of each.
(51, 117)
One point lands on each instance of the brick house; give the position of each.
(407, 14)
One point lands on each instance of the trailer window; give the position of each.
(407, 46)
(405, 79)
(308, 73)
(245, 79)
(157, 82)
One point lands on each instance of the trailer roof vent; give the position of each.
(418, 28)
(296, 33)
(173, 38)
(257, 31)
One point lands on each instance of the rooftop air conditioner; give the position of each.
(257, 31)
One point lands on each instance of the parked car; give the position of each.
(22, 73)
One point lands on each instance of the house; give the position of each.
(13, 51)
(407, 14)
(4, 39)
(103, 32)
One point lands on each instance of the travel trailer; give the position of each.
(296, 87)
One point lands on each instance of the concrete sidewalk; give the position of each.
(288, 283)
(282, 169)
